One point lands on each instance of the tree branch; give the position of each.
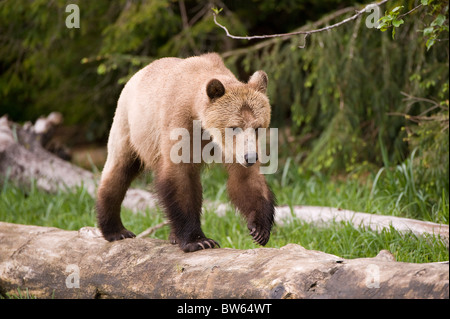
(306, 33)
(271, 41)
(410, 11)
(151, 230)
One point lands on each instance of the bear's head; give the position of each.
(234, 114)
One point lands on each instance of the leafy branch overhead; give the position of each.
(305, 33)
(439, 11)
(392, 19)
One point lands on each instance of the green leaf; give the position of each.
(438, 21)
(430, 43)
(385, 23)
(101, 69)
(386, 18)
(428, 31)
(396, 23)
(424, 2)
(383, 26)
(396, 9)
(217, 11)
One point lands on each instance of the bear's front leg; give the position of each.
(180, 193)
(249, 192)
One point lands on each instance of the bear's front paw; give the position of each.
(201, 243)
(119, 235)
(259, 234)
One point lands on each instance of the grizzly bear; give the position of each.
(172, 93)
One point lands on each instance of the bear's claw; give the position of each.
(202, 243)
(122, 234)
(260, 237)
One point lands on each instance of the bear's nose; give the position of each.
(251, 158)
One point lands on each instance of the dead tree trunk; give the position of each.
(23, 160)
(54, 263)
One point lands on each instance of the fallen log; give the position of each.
(23, 159)
(325, 215)
(55, 263)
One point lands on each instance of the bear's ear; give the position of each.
(259, 81)
(215, 89)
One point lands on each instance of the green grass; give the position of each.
(392, 191)
(20, 295)
(75, 209)
(65, 209)
(341, 239)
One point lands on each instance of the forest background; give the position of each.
(357, 104)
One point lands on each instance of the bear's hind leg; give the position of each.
(116, 179)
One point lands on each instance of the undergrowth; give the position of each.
(375, 193)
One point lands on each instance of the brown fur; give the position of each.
(167, 94)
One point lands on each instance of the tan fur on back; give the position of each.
(171, 93)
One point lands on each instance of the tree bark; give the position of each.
(54, 263)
